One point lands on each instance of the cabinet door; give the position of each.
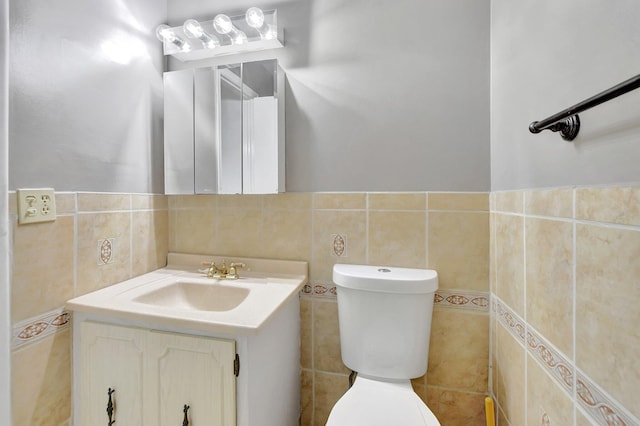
(193, 371)
(110, 357)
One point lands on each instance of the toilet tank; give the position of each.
(385, 319)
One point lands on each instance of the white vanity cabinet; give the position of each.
(111, 357)
(229, 349)
(154, 375)
(193, 371)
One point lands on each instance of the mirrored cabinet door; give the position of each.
(224, 129)
(178, 133)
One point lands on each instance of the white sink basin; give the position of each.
(195, 295)
(181, 297)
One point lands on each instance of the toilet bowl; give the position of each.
(377, 403)
(385, 324)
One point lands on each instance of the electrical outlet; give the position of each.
(36, 205)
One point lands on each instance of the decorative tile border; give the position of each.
(603, 409)
(37, 328)
(465, 299)
(509, 319)
(558, 366)
(319, 289)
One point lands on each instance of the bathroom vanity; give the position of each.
(174, 347)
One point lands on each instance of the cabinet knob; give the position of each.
(110, 407)
(185, 422)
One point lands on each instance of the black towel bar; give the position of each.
(567, 121)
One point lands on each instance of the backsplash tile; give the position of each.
(286, 234)
(43, 267)
(509, 201)
(340, 200)
(91, 202)
(510, 374)
(459, 249)
(609, 204)
(397, 201)
(550, 202)
(41, 377)
(328, 223)
(55, 261)
(547, 404)
(458, 201)
(326, 338)
(453, 407)
(397, 238)
(549, 270)
(459, 350)
(509, 260)
(150, 240)
(93, 230)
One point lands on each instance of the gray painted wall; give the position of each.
(545, 57)
(86, 95)
(381, 96)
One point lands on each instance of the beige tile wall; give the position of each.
(55, 261)
(445, 231)
(565, 269)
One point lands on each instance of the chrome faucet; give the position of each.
(222, 272)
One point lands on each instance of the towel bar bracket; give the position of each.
(568, 127)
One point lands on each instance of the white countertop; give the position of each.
(271, 283)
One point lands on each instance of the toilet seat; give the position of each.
(378, 403)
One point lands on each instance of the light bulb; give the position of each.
(255, 17)
(165, 33)
(222, 24)
(193, 29)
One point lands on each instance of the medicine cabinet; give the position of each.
(224, 129)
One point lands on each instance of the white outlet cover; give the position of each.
(36, 205)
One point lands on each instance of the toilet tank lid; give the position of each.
(387, 279)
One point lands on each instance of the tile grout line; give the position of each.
(524, 296)
(313, 362)
(427, 230)
(130, 236)
(366, 233)
(574, 307)
(75, 245)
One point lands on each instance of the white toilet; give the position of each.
(385, 324)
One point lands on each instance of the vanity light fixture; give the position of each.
(225, 34)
